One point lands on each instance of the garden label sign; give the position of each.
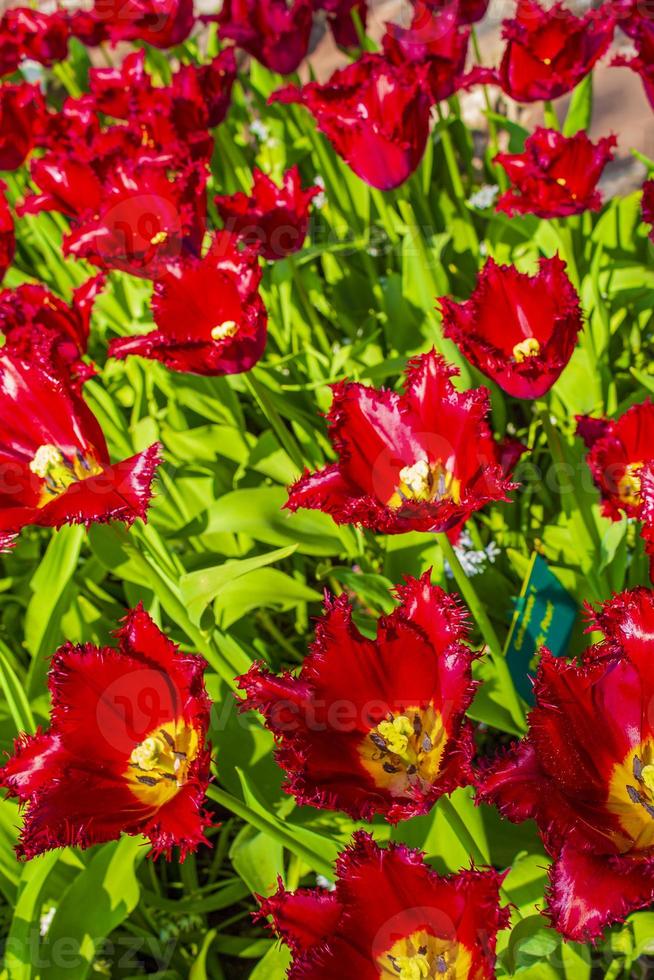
(545, 615)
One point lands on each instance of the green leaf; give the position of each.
(580, 110)
(198, 589)
(99, 899)
(23, 940)
(274, 965)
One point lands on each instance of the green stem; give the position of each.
(493, 143)
(465, 837)
(285, 438)
(486, 628)
(551, 118)
(455, 178)
(317, 329)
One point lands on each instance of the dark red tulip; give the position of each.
(274, 32)
(548, 52)
(210, 84)
(162, 23)
(340, 20)
(27, 34)
(466, 11)
(139, 218)
(54, 460)
(209, 315)
(406, 741)
(555, 176)
(375, 114)
(434, 40)
(22, 111)
(405, 461)
(30, 314)
(391, 917)
(126, 749)
(592, 798)
(648, 205)
(520, 330)
(643, 61)
(7, 234)
(273, 217)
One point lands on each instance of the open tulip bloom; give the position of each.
(556, 175)
(520, 330)
(407, 462)
(375, 726)
(54, 458)
(592, 797)
(210, 317)
(125, 751)
(390, 917)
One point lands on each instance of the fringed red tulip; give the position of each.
(549, 52)
(210, 317)
(520, 330)
(374, 113)
(54, 461)
(391, 917)
(556, 175)
(274, 218)
(375, 726)
(421, 461)
(274, 32)
(126, 749)
(433, 39)
(592, 798)
(30, 35)
(22, 112)
(466, 11)
(161, 23)
(31, 314)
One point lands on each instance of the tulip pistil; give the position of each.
(423, 956)
(426, 482)
(529, 347)
(404, 750)
(159, 765)
(59, 471)
(229, 328)
(629, 484)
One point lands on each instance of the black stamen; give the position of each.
(638, 768)
(389, 768)
(417, 725)
(378, 741)
(148, 780)
(427, 744)
(167, 738)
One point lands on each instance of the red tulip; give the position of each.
(7, 234)
(209, 315)
(274, 32)
(550, 51)
(30, 315)
(125, 751)
(555, 176)
(642, 63)
(434, 40)
(406, 462)
(22, 111)
(375, 726)
(375, 114)
(520, 330)
(466, 11)
(592, 798)
(340, 20)
(275, 218)
(54, 460)
(390, 916)
(27, 34)
(162, 23)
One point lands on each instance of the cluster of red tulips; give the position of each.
(367, 726)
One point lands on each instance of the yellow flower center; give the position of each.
(629, 484)
(425, 482)
(422, 955)
(224, 330)
(547, 61)
(59, 472)
(158, 766)
(404, 751)
(159, 238)
(529, 347)
(631, 798)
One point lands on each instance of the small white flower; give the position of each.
(259, 130)
(484, 197)
(323, 882)
(473, 560)
(45, 920)
(320, 200)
